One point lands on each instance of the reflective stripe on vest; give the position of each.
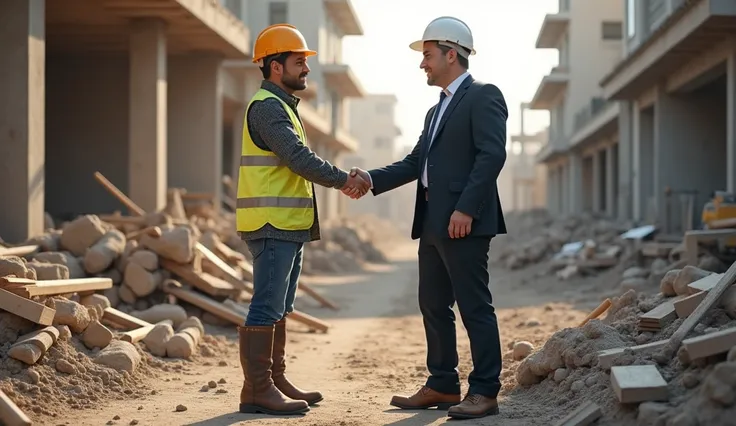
(268, 191)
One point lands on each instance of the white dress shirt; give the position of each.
(449, 91)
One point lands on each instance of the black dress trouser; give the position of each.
(453, 270)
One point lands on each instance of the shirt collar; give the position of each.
(452, 87)
(290, 100)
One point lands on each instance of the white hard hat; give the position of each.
(447, 29)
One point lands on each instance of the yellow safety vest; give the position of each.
(268, 191)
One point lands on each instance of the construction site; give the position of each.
(123, 279)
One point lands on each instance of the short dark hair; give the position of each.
(460, 58)
(278, 57)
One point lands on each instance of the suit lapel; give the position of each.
(427, 136)
(456, 98)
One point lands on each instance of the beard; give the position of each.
(294, 83)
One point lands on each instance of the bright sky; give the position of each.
(504, 34)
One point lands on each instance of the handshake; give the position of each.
(358, 183)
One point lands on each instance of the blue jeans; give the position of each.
(276, 268)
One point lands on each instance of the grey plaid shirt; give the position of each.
(272, 130)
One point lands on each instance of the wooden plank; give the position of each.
(585, 415)
(662, 315)
(692, 238)
(710, 344)
(704, 284)
(607, 356)
(123, 320)
(638, 383)
(10, 414)
(136, 335)
(685, 307)
(205, 303)
(20, 251)
(75, 285)
(603, 307)
(201, 280)
(127, 202)
(690, 322)
(25, 308)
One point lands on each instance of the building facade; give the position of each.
(146, 94)
(373, 123)
(675, 88)
(578, 155)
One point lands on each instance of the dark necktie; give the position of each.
(436, 116)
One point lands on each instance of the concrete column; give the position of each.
(564, 186)
(195, 124)
(625, 161)
(575, 178)
(610, 184)
(597, 182)
(147, 160)
(731, 124)
(22, 118)
(551, 199)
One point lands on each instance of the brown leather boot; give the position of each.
(279, 367)
(259, 395)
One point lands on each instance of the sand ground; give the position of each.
(374, 349)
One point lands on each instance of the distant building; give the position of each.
(580, 155)
(373, 122)
(523, 182)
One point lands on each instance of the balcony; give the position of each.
(343, 15)
(341, 79)
(596, 120)
(553, 28)
(104, 26)
(550, 88)
(549, 152)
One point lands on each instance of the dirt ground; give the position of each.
(375, 348)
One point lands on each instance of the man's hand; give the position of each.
(360, 186)
(460, 225)
(356, 186)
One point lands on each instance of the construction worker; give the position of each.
(276, 214)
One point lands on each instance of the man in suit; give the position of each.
(456, 162)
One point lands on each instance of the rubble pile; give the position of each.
(616, 367)
(535, 236)
(96, 303)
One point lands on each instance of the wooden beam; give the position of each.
(203, 281)
(127, 202)
(606, 357)
(710, 344)
(55, 287)
(25, 308)
(123, 320)
(10, 414)
(690, 322)
(638, 383)
(20, 251)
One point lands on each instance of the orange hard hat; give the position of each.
(280, 38)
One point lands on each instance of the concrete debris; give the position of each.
(578, 364)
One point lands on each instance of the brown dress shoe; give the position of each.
(259, 395)
(474, 406)
(425, 398)
(279, 367)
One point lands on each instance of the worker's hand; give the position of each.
(356, 186)
(460, 225)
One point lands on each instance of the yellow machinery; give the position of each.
(722, 206)
(720, 213)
